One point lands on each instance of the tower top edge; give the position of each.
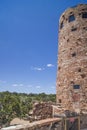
(73, 8)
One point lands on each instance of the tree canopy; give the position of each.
(19, 104)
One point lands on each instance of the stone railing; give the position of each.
(53, 124)
(46, 124)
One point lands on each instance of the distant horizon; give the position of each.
(29, 93)
(29, 44)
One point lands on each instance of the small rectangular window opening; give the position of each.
(84, 15)
(76, 86)
(73, 29)
(71, 18)
(73, 54)
(60, 101)
(61, 25)
(85, 28)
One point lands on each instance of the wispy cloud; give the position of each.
(2, 81)
(15, 85)
(21, 85)
(42, 68)
(29, 86)
(38, 87)
(53, 87)
(38, 68)
(50, 65)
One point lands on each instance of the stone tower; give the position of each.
(72, 59)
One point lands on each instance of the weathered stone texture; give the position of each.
(42, 111)
(72, 59)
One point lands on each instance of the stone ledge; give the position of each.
(34, 125)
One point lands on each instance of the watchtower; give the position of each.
(72, 58)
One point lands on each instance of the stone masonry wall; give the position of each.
(72, 59)
(42, 110)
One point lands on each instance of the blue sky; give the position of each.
(29, 44)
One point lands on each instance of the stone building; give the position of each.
(72, 59)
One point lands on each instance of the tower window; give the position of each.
(84, 15)
(76, 86)
(59, 68)
(72, 82)
(85, 28)
(80, 14)
(67, 40)
(83, 76)
(83, 9)
(73, 29)
(61, 25)
(71, 18)
(79, 70)
(71, 12)
(60, 101)
(74, 54)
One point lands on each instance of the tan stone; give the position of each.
(72, 58)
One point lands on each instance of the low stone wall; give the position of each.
(46, 124)
(53, 124)
(42, 111)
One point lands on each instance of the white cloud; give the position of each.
(50, 65)
(42, 68)
(37, 68)
(2, 81)
(15, 85)
(21, 85)
(38, 87)
(53, 87)
(30, 86)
